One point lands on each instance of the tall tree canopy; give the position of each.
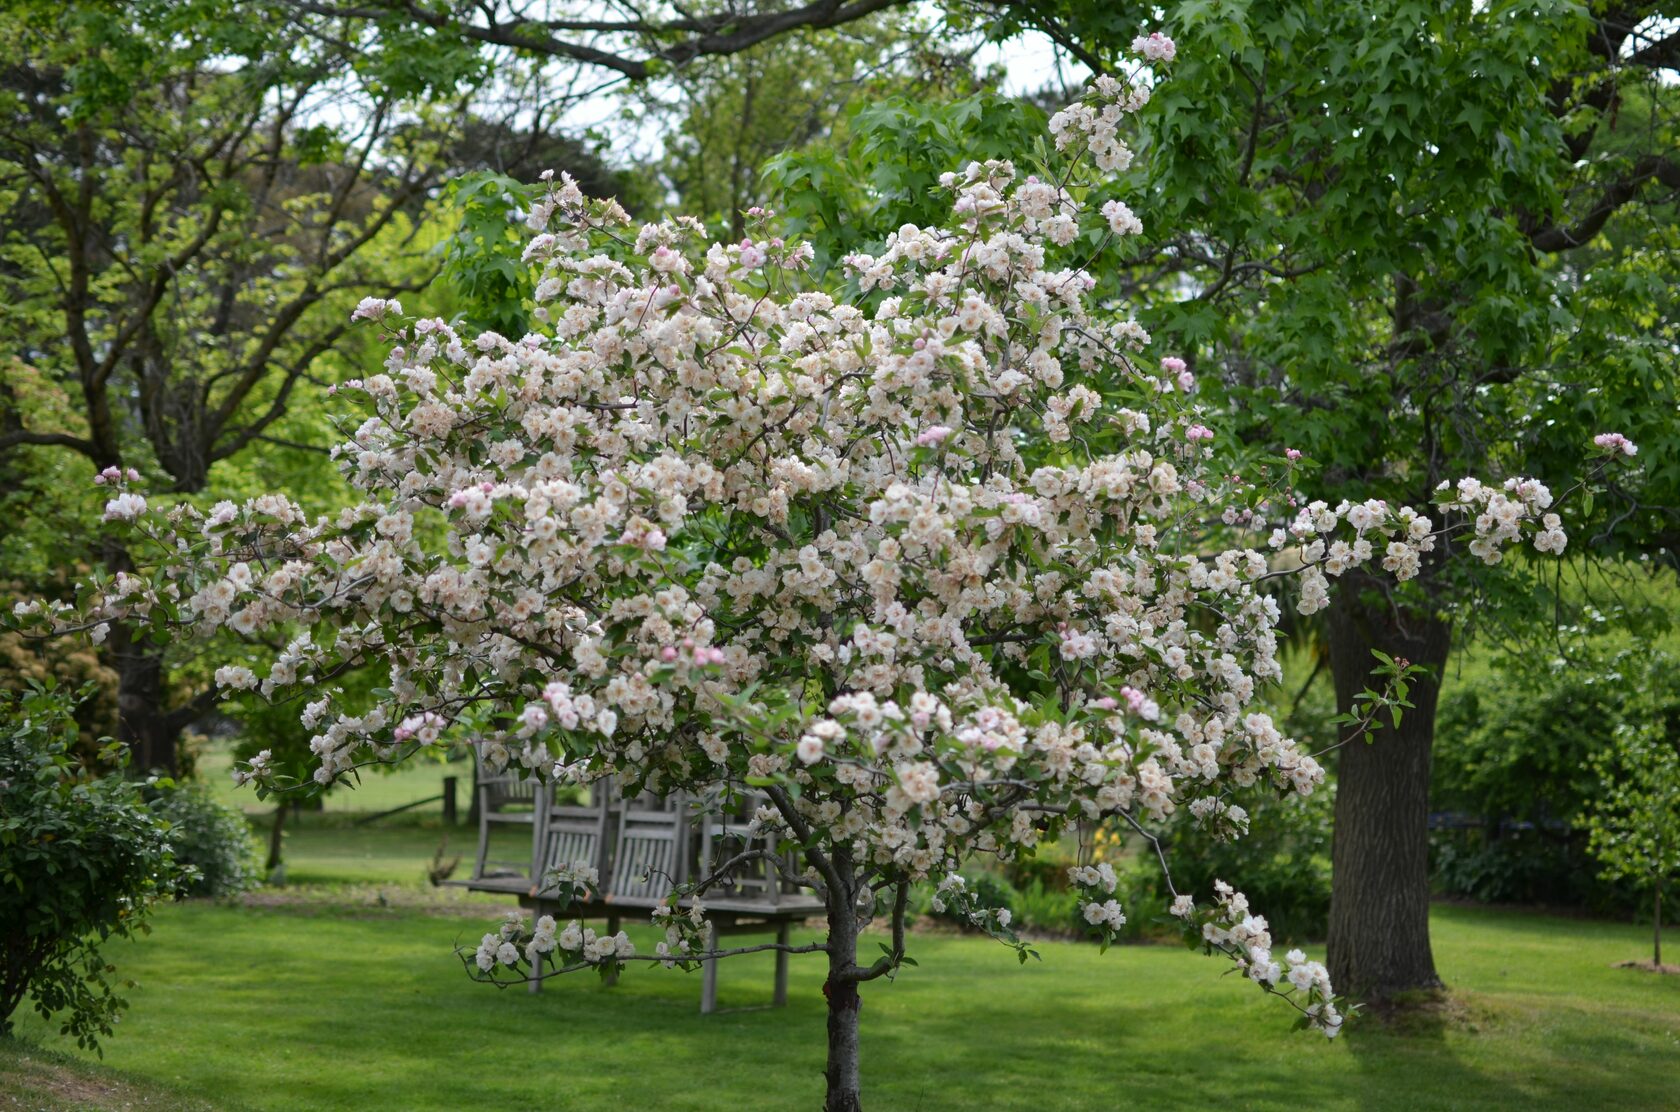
(191, 205)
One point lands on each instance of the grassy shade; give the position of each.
(289, 1009)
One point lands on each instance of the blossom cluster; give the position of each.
(548, 945)
(1230, 927)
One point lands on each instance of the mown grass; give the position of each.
(318, 1008)
(344, 994)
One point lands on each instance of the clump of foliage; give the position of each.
(1516, 773)
(66, 662)
(213, 839)
(82, 859)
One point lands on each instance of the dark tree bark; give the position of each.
(844, 1060)
(843, 1072)
(143, 724)
(1379, 905)
(275, 834)
(141, 720)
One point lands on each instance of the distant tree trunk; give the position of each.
(1379, 903)
(150, 730)
(274, 834)
(1656, 926)
(142, 723)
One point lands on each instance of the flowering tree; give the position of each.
(933, 561)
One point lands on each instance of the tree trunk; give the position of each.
(843, 1003)
(1656, 926)
(1379, 903)
(274, 833)
(142, 723)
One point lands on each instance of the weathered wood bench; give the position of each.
(640, 848)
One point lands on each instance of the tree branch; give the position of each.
(728, 32)
(1646, 169)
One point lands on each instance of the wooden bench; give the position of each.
(640, 848)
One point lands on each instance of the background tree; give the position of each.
(1635, 817)
(192, 204)
(725, 118)
(1383, 277)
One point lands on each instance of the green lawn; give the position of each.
(346, 996)
(302, 1008)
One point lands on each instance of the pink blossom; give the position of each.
(752, 255)
(125, 507)
(1198, 432)
(1292, 453)
(376, 308)
(935, 434)
(1614, 442)
(1155, 47)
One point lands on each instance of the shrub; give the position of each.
(1520, 862)
(82, 858)
(213, 839)
(1045, 907)
(1516, 763)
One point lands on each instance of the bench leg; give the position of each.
(534, 985)
(708, 975)
(780, 998)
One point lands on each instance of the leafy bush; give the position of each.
(213, 839)
(1515, 764)
(1047, 869)
(1051, 908)
(1516, 865)
(82, 858)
